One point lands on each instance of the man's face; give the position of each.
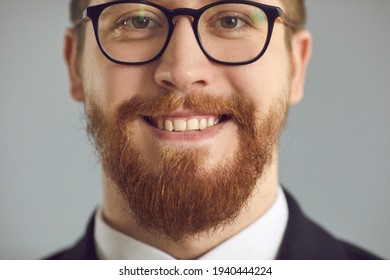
(226, 121)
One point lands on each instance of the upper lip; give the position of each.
(184, 114)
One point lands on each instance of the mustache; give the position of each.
(233, 105)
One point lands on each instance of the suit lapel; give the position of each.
(304, 240)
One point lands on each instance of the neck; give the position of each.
(261, 200)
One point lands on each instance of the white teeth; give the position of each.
(181, 125)
(168, 125)
(210, 122)
(202, 124)
(193, 124)
(160, 124)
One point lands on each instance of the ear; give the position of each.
(300, 56)
(71, 58)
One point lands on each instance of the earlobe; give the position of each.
(300, 56)
(71, 59)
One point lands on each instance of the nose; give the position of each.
(183, 66)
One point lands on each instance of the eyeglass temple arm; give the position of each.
(283, 19)
(83, 18)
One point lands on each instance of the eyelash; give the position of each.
(129, 18)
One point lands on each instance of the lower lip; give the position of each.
(207, 133)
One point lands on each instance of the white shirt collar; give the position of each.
(259, 241)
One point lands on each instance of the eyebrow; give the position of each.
(161, 2)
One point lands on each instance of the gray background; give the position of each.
(335, 154)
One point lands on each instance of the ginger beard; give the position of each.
(183, 199)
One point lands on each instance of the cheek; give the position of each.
(263, 81)
(111, 84)
(260, 84)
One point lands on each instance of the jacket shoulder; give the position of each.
(84, 249)
(306, 240)
(60, 255)
(355, 253)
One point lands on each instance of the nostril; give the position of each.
(167, 83)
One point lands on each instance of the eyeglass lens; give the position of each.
(134, 32)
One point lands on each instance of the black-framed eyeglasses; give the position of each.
(228, 32)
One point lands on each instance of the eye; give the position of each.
(231, 22)
(139, 22)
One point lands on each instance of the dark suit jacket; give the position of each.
(303, 240)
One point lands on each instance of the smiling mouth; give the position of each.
(186, 124)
